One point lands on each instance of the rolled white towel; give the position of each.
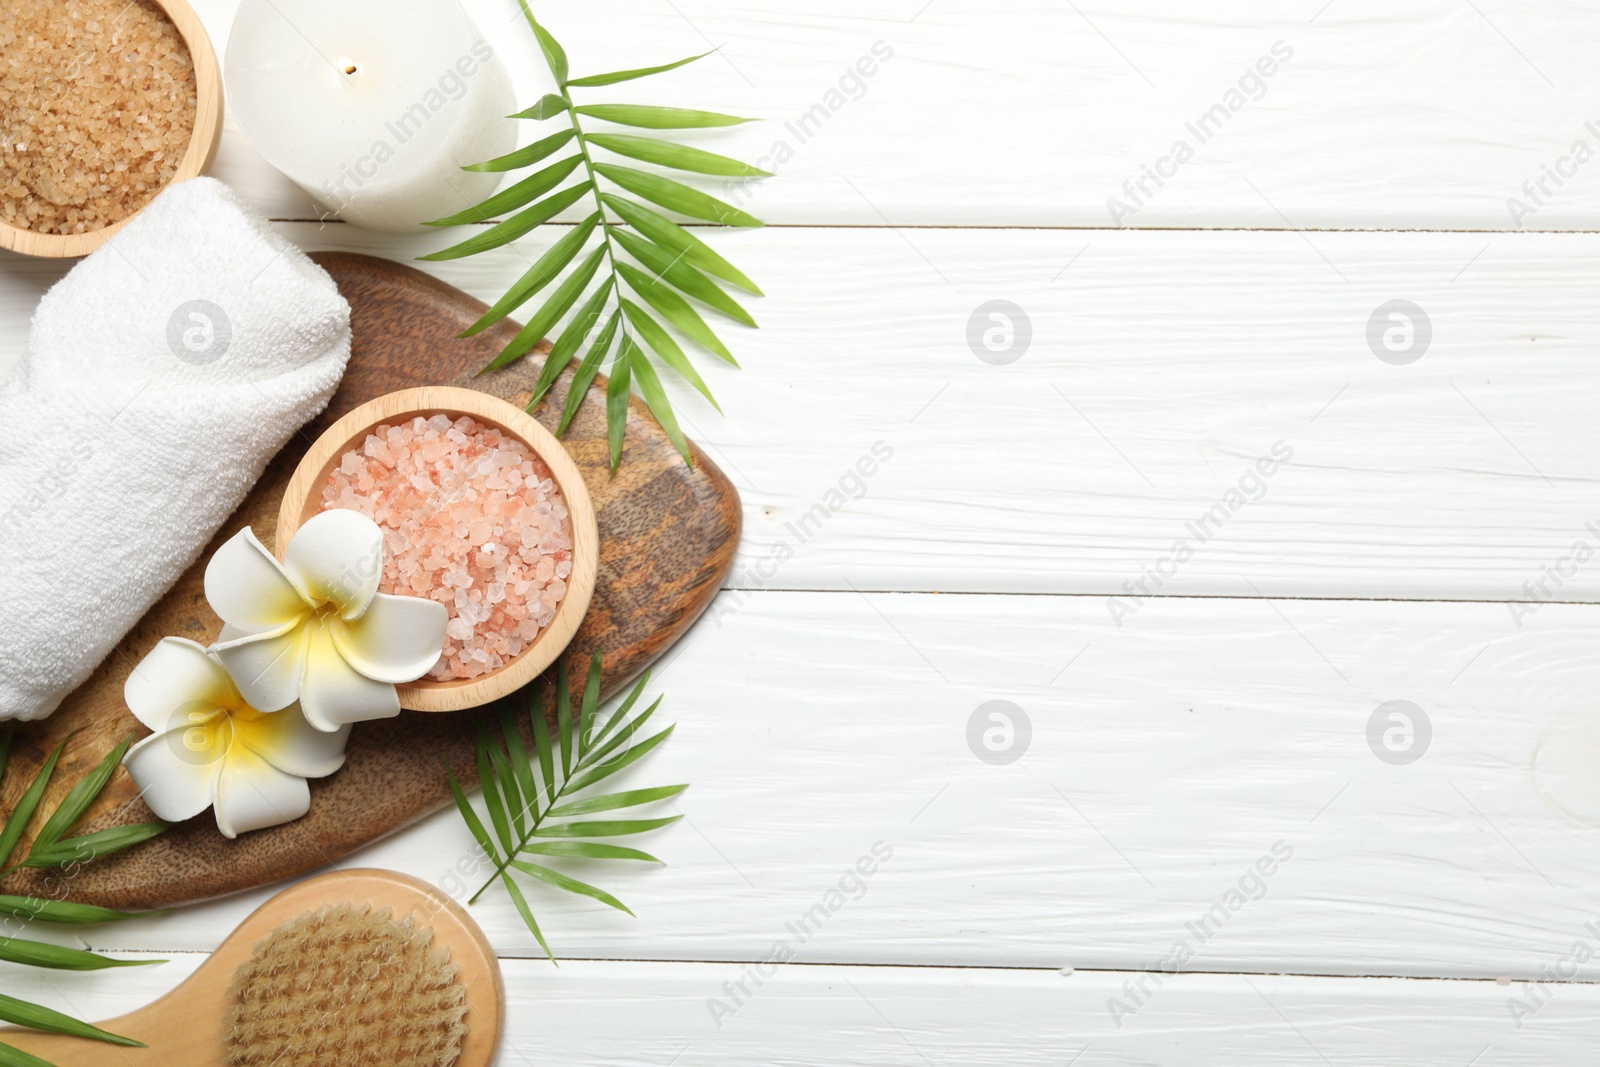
(161, 374)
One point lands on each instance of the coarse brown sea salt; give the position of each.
(97, 107)
(472, 518)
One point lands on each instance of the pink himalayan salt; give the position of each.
(471, 518)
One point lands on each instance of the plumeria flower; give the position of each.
(314, 628)
(211, 749)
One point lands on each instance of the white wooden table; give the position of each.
(1030, 910)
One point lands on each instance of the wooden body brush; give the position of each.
(348, 969)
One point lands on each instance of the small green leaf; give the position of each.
(633, 755)
(677, 156)
(662, 343)
(520, 764)
(15, 1057)
(17, 821)
(554, 54)
(62, 911)
(514, 227)
(470, 817)
(657, 118)
(506, 780)
(655, 398)
(669, 235)
(542, 273)
(676, 196)
(677, 311)
(86, 847)
(675, 271)
(78, 799)
(621, 737)
(578, 327)
(514, 196)
(488, 785)
(549, 106)
(592, 80)
(593, 850)
(55, 957)
(559, 302)
(541, 743)
(620, 715)
(582, 378)
(564, 721)
(21, 1013)
(571, 885)
(526, 156)
(526, 912)
(605, 828)
(590, 706)
(613, 801)
(618, 389)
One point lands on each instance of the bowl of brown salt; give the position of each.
(103, 103)
(482, 510)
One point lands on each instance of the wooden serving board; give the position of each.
(667, 538)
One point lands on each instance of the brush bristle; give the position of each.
(346, 987)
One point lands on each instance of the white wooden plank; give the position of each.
(1166, 758)
(655, 1014)
(1416, 113)
(1162, 367)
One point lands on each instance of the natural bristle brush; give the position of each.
(348, 969)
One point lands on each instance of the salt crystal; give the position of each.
(471, 519)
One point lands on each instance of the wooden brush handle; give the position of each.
(185, 1027)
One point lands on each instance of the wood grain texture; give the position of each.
(1391, 114)
(187, 1026)
(668, 536)
(636, 1014)
(1165, 758)
(1162, 366)
(197, 156)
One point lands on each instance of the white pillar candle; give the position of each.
(370, 108)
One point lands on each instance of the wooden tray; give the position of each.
(667, 539)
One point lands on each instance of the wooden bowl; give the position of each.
(303, 499)
(196, 158)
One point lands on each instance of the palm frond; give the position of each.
(672, 270)
(52, 848)
(533, 800)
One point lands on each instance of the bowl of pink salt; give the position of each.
(482, 510)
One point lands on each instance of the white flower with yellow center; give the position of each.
(211, 749)
(314, 628)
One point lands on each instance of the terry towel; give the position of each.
(160, 376)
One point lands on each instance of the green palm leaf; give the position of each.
(551, 828)
(676, 196)
(595, 80)
(21, 1013)
(674, 261)
(677, 311)
(526, 191)
(549, 106)
(676, 156)
(559, 303)
(514, 227)
(578, 327)
(544, 271)
(669, 235)
(673, 269)
(587, 370)
(658, 118)
(525, 157)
